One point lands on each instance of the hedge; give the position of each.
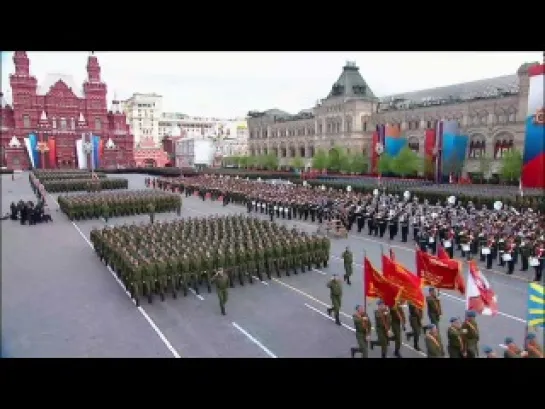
(168, 172)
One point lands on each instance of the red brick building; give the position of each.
(56, 115)
(147, 154)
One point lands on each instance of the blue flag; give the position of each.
(536, 305)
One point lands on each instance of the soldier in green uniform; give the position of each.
(206, 270)
(455, 340)
(434, 307)
(532, 346)
(489, 352)
(348, 259)
(105, 211)
(222, 284)
(397, 322)
(415, 319)
(151, 212)
(362, 323)
(512, 350)
(383, 325)
(470, 335)
(335, 293)
(434, 346)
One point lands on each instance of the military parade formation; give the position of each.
(161, 258)
(495, 235)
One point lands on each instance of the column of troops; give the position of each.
(493, 234)
(187, 254)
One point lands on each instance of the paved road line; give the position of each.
(200, 297)
(319, 271)
(262, 282)
(255, 341)
(458, 299)
(354, 330)
(150, 321)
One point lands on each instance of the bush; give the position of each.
(75, 185)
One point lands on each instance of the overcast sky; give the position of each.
(229, 84)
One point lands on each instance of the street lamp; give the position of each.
(42, 148)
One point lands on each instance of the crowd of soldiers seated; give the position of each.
(504, 234)
(165, 257)
(29, 212)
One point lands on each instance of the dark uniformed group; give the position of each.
(184, 254)
(28, 212)
(500, 234)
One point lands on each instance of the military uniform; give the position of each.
(397, 323)
(415, 319)
(470, 335)
(455, 340)
(222, 285)
(434, 308)
(362, 324)
(383, 325)
(348, 260)
(434, 346)
(335, 293)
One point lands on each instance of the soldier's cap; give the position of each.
(487, 349)
(471, 314)
(531, 336)
(508, 340)
(380, 302)
(454, 319)
(357, 307)
(431, 289)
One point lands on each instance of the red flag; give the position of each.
(460, 283)
(480, 297)
(392, 255)
(376, 286)
(439, 272)
(409, 282)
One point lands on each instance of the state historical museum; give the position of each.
(61, 127)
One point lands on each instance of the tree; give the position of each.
(320, 160)
(359, 163)
(407, 162)
(270, 161)
(243, 161)
(336, 159)
(384, 164)
(511, 166)
(297, 163)
(429, 166)
(485, 163)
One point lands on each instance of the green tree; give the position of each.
(243, 161)
(429, 166)
(485, 163)
(270, 161)
(385, 164)
(336, 159)
(511, 166)
(297, 163)
(320, 160)
(407, 162)
(359, 163)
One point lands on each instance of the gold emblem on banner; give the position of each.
(539, 117)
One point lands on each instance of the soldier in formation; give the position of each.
(348, 260)
(165, 257)
(485, 233)
(362, 324)
(335, 293)
(383, 327)
(434, 345)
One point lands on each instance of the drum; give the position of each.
(431, 239)
(485, 251)
(507, 257)
(465, 247)
(447, 244)
(533, 261)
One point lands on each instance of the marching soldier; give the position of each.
(404, 221)
(510, 255)
(151, 212)
(539, 261)
(532, 347)
(105, 210)
(398, 321)
(455, 342)
(415, 319)
(222, 284)
(434, 307)
(348, 260)
(335, 292)
(434, 346)
(383, 325)
(512, 350)
(470, 335)
(363, 331)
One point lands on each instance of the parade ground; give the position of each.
(59, 300)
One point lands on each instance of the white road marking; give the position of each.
(458, 299)
(319, 271)
(152, 324)
(502, 346)
(354, 330)
(255, 341)
(262, 282)
(200, 297)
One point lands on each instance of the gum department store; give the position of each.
(490, 111)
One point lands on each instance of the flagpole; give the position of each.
(364, 285)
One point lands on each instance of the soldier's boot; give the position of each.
(208, 285)
(149, 293)
(259, 275)
(337, 318)
(329, 311)
(384, 352)
(250, 278)
(372, 344)
(195, 286)
(240, 279)
(409, 335)
(348, 280)
(354, 351)
(397, 354)
(415, 345)
(222, 308)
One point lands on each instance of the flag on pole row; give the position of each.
(410, 283)
(460, 283)
(439, 272)
(479, 295)
(376, 286)
(536, 305)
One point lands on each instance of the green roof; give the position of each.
(351, 84)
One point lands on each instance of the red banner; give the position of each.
(52, 145)
(438, 272)
(429, 147)
(374, 156)
(100, 151)
(460, 283)
(376, 286)
(410, 283)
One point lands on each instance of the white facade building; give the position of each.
(143, 113)
(191, 152)
(234, 140)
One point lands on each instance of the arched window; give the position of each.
(503, 144)
(64, 125)
(98, 124)
(414, 145)
(477, 147)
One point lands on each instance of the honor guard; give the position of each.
(434, 307)
(532, 347)
(509, 256)
(363, 332)
(415, 320)
(383, 325)
(455, 342)
(512, 350)
(434, 346)
(398, 321)
(470, 335)
(348, 260)
(404, 222)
